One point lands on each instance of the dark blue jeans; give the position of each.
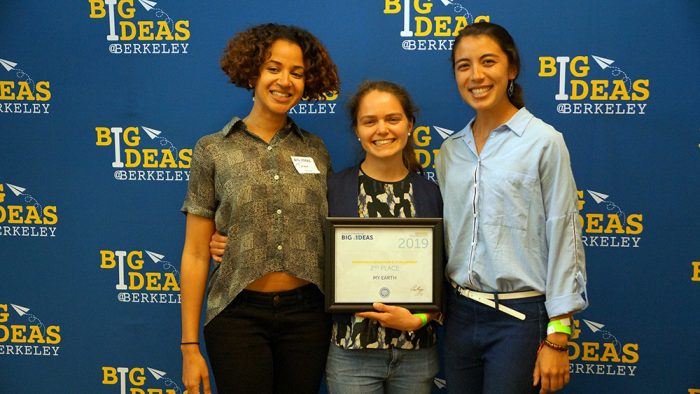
(490, 352)
(270, 342)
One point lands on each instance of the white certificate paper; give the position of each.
(383, 264)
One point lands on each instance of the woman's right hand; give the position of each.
(396, 317)
(194, 370)
(217, 245)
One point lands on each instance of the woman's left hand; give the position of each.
(393, 317)
(551, 368)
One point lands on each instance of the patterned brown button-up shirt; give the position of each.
(272, 214)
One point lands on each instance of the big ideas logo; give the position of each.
(26, 217)
(605, 224)
(600, 89)
(138, 382)
(422, 138)
(320, 107)
(26, 334)
(156, 283)
(135, 35)
(431, 28)
(599, 352)
(24, 95)
(134, 163)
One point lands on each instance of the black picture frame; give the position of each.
(332, 224)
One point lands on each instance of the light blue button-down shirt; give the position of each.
(511, 218)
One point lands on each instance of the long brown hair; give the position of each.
(499, 34)
(409, 108)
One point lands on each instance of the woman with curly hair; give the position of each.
(388, 349)
(262, 181)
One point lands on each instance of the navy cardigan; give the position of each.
(343, 189)
(342, 202)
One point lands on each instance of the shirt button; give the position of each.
(269, 148)
(277, 177)
(279, 211)
(279, 247)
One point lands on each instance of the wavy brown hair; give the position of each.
(248, 50)
(409, 109)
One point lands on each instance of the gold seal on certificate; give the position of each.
(389, 260)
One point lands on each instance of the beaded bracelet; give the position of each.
(554, 346)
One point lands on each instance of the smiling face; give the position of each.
(382, 126)
(482, 72)
(280, 84)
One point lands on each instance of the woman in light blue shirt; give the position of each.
(516, 260)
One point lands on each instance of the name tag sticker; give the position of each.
(305, 165)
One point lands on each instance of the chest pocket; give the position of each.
(506, 197)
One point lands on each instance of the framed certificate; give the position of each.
(389, 260)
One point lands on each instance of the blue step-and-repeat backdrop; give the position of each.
(101, 102)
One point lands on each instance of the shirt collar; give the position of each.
(517, 124)
(236, 124)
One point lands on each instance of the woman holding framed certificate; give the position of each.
(513, 240)
(390, 349)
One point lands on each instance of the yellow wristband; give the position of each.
(562, 326)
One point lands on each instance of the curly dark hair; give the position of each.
(409, 109)
(246, 52)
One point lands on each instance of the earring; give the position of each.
(409, 133)
(358, 138)
(510, 88)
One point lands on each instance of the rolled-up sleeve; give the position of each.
(566, 266)
(201, 198)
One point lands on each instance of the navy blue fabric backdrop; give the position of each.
(101, 102)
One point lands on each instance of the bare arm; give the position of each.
(193, 278)
(395, 317)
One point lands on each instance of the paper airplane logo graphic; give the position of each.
(595, 327)
(597, 196)
(9, 66)
(446, 2)
(444, 133)
(148, 5)
(157, 258)
(440, 383)
(153, 133)
(603, 62)
(16, 189)
(21, 311)
(156, 373)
